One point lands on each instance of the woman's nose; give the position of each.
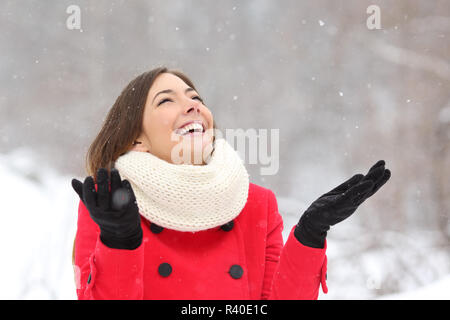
(193, 108)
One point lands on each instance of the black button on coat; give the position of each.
(155, 228)
(228, 226)
(236, 271)
(165, 269)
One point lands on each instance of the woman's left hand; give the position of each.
(338, 204)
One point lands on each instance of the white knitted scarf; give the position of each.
(187, 197)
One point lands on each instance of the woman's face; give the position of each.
(170, 105)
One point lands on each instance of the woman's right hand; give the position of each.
(114, 209)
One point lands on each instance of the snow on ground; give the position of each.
(37, 229)
(38, 225)
(438, 290)
(375, 264)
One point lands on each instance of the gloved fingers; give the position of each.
(78, 187)
(347, 184)
(374, 175)
(375, 169)
(380, 163)
(103, 195)
(89, 194)
(116, 182)
(131, 194)
(357, 192)
(386, 176)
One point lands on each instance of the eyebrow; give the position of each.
(171, 91)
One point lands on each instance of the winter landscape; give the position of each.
(346, 84)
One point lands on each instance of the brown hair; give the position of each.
(123, 123)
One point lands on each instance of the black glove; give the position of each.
(116, 211)
(338, 204)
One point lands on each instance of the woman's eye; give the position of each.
(162, 101)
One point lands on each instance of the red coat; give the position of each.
(247, 262)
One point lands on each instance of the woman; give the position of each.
(168, 212)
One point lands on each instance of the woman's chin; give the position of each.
(192, 151)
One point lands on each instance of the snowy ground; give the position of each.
(434, 291)
(39, 215)
(39, 223)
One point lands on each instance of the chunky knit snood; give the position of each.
(187, 197)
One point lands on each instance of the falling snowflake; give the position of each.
(120, 198)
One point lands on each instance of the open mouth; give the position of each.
(193, 128)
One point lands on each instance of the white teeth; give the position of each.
(196, 126)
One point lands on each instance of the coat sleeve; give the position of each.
(293, 271)
(102, 272)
